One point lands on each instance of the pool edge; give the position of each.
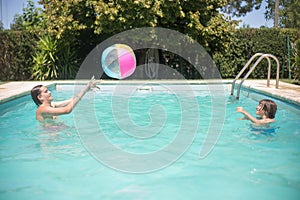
(286, 92)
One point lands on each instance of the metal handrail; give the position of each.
(262, 56)
(243, 69)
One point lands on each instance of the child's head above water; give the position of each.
(266, 110)
(267, 107)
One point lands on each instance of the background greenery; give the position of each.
(16, 52)
(50, 43)
(25, 56)
(247, 42)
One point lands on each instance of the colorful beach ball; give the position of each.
(118, 61)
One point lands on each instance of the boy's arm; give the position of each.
(59, 104)
(77, 97)
(248, 116)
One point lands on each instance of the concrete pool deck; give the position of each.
(287, 92)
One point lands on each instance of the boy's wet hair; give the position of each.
(35, 92)
(269, 107)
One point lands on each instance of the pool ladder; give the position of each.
(262, 56)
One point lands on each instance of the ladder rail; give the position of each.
(243, 69)
(277, 70)
(269, 72)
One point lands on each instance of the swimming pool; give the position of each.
(54, 164)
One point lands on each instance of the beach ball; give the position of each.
(118, 61)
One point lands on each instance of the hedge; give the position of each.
(17, 48)
(247, 42)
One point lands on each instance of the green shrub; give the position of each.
(24, 56)
(247, 42)
(296, 64)
(53, 60)
(45, 67)
(15, 55)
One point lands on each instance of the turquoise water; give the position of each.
(42, 164)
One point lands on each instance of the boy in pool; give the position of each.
(266, 109)
(50, 110)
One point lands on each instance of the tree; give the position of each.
(291, 17)
(241, 7)
(288, 13)
(199, 19)
(18, 23)
(285, 13)
(1, 26)
(31, 19)
(276, 13)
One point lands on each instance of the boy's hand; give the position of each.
(92, 82)
(240, 109)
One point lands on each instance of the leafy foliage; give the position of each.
(288, 13)
(15, 55)
(45, 67)
(241, 7)
(1, 26)
(296, 64)
(247, 42)
(32, 19)
(53, 60)
(288, 10)
(69, 29)
(86, 23)
(16, 60)
(200, 19)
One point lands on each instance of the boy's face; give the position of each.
(45, 95)
(259, 109)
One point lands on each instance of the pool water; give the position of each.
(38, 163)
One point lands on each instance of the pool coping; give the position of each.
(286, 92)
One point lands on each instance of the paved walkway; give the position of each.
(287, 92)
(12, 90)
